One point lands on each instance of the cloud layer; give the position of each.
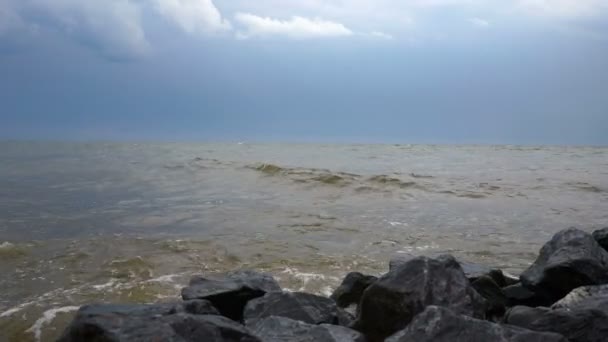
(116, 28)
(296, 27)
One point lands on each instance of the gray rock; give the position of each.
(493, 294)
(471, 270)
(298, 306)
(282, 329)
(391, 302)
(571, 259)
(590, 297)
(437, 324)
(139, 323)
(351, 289)
(578, 324)
(231, 292)
(517, 294)
(601, 236)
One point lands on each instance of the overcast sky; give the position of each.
(417, 71)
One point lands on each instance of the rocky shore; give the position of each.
(562, 296)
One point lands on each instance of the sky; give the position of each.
(409, 71)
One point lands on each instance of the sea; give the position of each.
(109, 222)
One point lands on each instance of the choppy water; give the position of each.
(99, 222)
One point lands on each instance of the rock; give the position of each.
(230, 293)
(577, 325)
(437, 324)
(519, 295)
(282, 329)
(471, 270)
(571, 259)
(601, 236)
(589, 297)
(493, 294)
(298, 306)
(351, 289)
(391, 302)
(139, 323)
(502, 279)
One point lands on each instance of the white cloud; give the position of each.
(480, 23)
(296, 27)
(381, 35)
(194, 16)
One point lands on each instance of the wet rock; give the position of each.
(571, 259)
(471, 270)
(282, 329)
(298, 306)
(517, 294)
(601, 236)
(590, 297)
(391, 302)
(493, 294)
(139, 323)
(502, 279)
(231, 292)
(351, 289)
(437, 324)
(578, 325)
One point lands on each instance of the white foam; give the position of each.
(109, 284)
(47, 317)
(6, 245)
(15, 309)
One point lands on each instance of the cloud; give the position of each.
(113, 26)
(296, 27)
(194, 16)
(563, 8)
(480, 23)
(381, 35)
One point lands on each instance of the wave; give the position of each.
(583, 186)
(382, 183)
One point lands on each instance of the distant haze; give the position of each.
(435, 71)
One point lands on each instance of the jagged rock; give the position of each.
(502, 279)
(471, 270)
(391, 302)
(351, 289)
(142, 323)
(437, 324)
(230, 293)
(590, 297)
(578, 325)
(517, 294)
(298, 306)
(601, 236)
(571, 259)
(493, 294)
(282, 329)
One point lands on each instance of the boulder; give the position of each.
(517, 294)
(571, 259)
(142, 323)
(471, 270)
(577, 325)
(282, 329)
(437, 324)
(231, 292)
(351, 289)
(590, 297)
(493, 294)
(391, 302)
(299, 306)
(601, 236)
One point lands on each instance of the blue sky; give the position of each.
(439, 71)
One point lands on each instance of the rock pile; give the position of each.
(562, 296)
